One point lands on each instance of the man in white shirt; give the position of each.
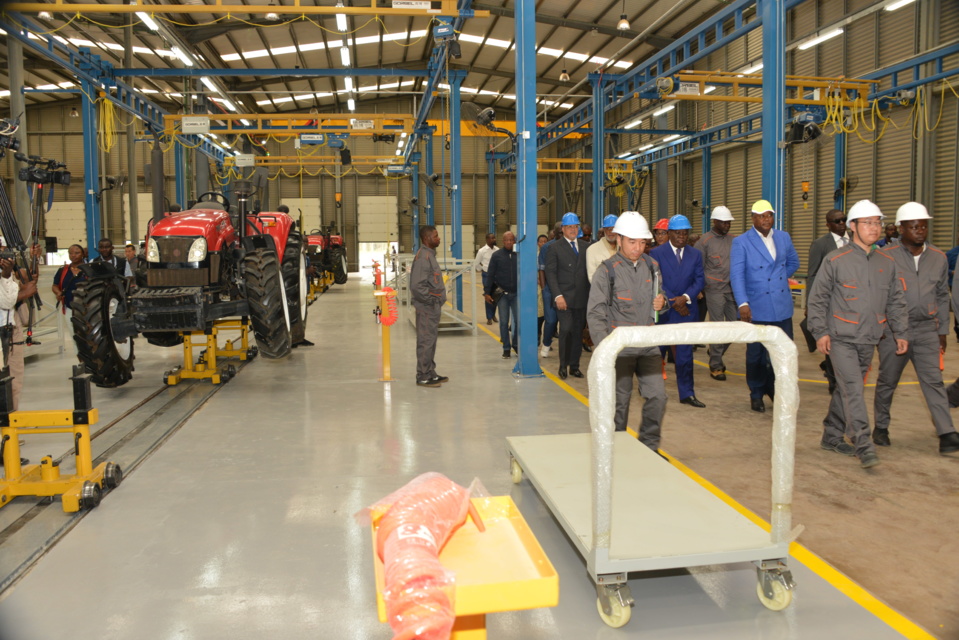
(482, 265)
(12, 319)
(599, 252)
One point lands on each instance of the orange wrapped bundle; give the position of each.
(412, 532)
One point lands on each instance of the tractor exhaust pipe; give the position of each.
(243, 190)
(156, 160)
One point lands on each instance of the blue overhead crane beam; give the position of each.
(100, 74)
(936, 57)
(266, 73)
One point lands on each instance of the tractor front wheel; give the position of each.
(338, 265)
(94, 303)
(264, 292)
(296, 285)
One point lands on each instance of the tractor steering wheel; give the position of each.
(215, 196)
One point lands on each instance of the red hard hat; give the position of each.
(662, 224)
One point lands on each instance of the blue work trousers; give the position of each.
(760, 376)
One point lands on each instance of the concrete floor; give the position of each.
(241, 525)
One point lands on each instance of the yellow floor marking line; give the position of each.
(733, 373)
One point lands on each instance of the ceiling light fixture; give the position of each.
(272, 16)
(208, 83)
(899, 4)
(182, 56)
(45, 15)
(74, 113)
(809, 44)
(148, 21)
(340, 18)
(351, 104)
(564, 77)
(633, 124)
(664, 110)
(345, 56)
(623, 24)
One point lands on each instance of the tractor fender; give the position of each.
(275, 224)
(262, 241)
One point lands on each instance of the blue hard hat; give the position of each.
(679, 222)
(609, 221)
(570, 218)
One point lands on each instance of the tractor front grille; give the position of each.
(168, 309)
(166, 277)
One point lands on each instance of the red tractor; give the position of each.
(202, 266)
(328, 254)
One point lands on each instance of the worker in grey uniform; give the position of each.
(715, 245)
(856, 292)
(429, 294)
(625, 293)
(924, 271)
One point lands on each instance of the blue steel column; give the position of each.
(525, 20)
(416, 209)
(839, 140)
(491, 193)
(773, 15)
(180, 174)
(707, 188)
(599, 150)
(428, 168)
(91, 166)
(455, 79)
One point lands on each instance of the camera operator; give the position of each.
(14, 316)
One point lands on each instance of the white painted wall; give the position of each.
(311, 211)
(377, 219)
(66, 222)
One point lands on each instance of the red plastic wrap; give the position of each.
(418, 591)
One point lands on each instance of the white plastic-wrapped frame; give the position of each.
(602, 396)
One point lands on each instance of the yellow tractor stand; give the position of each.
(81, 490)
(318, 285)
(206, 367)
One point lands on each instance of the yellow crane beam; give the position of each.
(805, 90)
(446, 8)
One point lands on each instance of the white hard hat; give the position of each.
(723, 214)
(863, 209)
(632, 225)
(912, 211)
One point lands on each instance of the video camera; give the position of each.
(7, 141)
(42, 170)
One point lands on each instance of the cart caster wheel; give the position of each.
(112, 475)
(781, 599)
(90, 495)
(516, 471)
(230, 372)
(619, 613)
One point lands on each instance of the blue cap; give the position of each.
(580, 234)
(679, 222)
(609, 221)
(570, 218)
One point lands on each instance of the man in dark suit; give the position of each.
(835, 239)
(760, 264)
(683, 280)
(566, 277)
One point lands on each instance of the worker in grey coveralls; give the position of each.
(631, 302)
(924, 271)
(429, 294)
(715, 245)
(856, 293)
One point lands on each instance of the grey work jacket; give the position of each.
(855, 295)
(630, 304)
(927, 291)
(426, 279)
(716, 250)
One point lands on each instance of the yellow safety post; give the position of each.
(82, 489)
(381, 311)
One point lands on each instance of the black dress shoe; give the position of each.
(587, 348)
(576, 373)
(506, 355)
(948, 443)
(562, 373)
(757, 405)
(440, 379)
(693, 402)
(881, 437)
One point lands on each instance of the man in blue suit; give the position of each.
(760, 264)
(683, 279)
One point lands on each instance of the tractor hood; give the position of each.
(212, 224)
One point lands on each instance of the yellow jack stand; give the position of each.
(206, 367)
(81, 490)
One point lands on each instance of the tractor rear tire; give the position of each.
(338, 265)
(164, 338)
(296, 285)
(264, 293)
(109, 362)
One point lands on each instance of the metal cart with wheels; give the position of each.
(626, 509)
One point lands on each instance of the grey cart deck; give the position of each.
(662, 518)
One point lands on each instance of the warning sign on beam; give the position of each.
(196, 124)
(361, 124)
(411, 4)
(688, 88)
(245, 160)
